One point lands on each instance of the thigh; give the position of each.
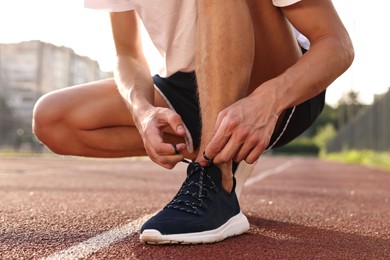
(92, 120)
(91, 106)
(276, 48)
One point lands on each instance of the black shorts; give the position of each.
(180, 92)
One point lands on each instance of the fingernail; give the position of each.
(181, 147)
(180, 129)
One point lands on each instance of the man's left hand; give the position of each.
(242, 131)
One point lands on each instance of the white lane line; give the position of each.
(105, 239)
(265, 174)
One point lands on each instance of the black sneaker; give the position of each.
(201, 212)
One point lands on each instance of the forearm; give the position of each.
(326, 60)
(330, 54)
(224, 57)
(134, 83)
(132, 73)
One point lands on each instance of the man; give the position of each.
(234, 83)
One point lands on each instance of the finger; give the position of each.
(178, 148)
(217, 143)
(219, 121)
(255, 153)
(176, 123)
(155, 142)
(259, 148)
(229, 151)
(175, 149)
(165, 149)
(208, 160)
(236, 141)
(165, 155)
(169, 161)
(246, 148)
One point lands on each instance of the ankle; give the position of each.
(227, 176)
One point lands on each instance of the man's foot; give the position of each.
(201, 212)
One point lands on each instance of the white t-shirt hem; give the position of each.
(107, 6)
(283, 3)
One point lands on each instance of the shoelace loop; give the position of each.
(198, 197)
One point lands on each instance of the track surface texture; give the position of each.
(57, 207)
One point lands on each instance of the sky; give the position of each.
(87, 32)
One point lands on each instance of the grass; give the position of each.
(363, 157)
(18, 153)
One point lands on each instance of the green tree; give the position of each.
(324, 135)
(328, 116)
(349, 105)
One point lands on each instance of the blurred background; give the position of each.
(51, 44)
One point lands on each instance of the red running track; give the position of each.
(67, 207)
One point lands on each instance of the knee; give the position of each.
(48, 121)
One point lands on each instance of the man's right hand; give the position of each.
(136, 87)
(151, 125)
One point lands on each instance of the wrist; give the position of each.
(138, 108)
(271, 93)
(136, 101)
(140, 111)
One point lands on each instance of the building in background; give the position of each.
(30, 69)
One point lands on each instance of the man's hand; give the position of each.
(242, 131)
(151, 126)
(135, 85)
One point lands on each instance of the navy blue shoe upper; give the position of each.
(201, 204)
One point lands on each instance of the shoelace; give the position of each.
(198, 197)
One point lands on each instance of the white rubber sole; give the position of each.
(235, 226)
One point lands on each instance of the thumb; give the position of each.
(176, 123)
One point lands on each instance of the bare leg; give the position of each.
(276, 48)
(221, 44)
(90, 120)
(220, 85)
